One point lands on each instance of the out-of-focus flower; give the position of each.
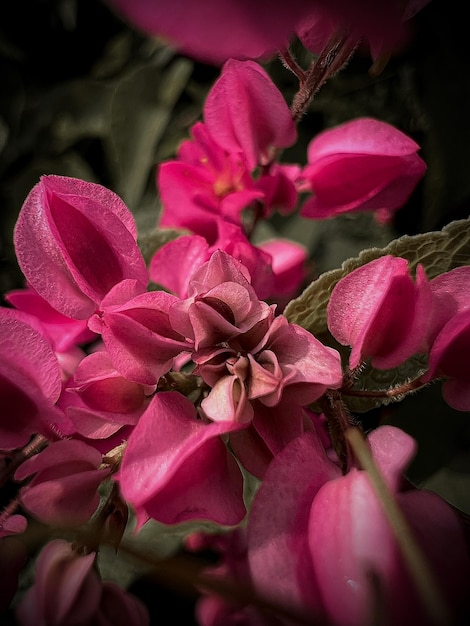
(69, 592)
(314, 535)
(381, 312)
(215, 30)
(74, 241)
(361, 165)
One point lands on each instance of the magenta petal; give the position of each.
(246, 113)
(177, 468)
(74, 241)
(173, 264)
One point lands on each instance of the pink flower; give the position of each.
(361, 165)
(30, 383)
(64, 489)
(247, 114)
(381, 312)
(222, 304)
(74, 241)
(69, 592)
(205, 184)
(177, 468)
(450, 296)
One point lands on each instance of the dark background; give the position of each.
(84, 95)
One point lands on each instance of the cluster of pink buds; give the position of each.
(177, 391)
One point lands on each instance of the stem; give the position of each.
(9, 510)
(396, 392)
(289, 62)
(416, 561)
(332, 59)
(339, 420)
(37, 444)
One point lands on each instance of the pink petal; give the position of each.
(246, 113)
(177, 468)
(60, 228)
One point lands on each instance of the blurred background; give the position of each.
(84, 95)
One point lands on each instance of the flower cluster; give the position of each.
(172, 389)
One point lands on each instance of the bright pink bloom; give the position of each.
(99, 401)
(361, 165)
(449, 359)
(64, 489)
(177, 468)
(30, 383)
(215, 30)
(205, 184)
(246, 113)
(137, 333)
(69, 592)
(381, 312)
(74, 241)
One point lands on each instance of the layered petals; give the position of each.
(381, 312)
(361, 165)
(74, 241)
(207, 182)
